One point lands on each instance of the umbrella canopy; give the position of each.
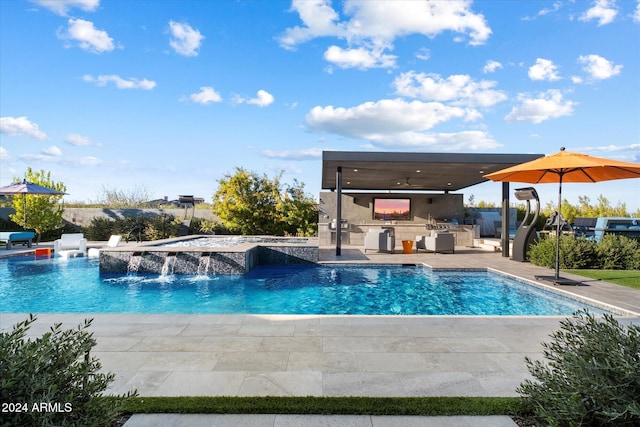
(25, 188)
(566, 166)
(572, 167)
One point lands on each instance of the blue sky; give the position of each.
(171, 95)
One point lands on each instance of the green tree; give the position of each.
(585, 209)
(298, 211)
(39, 212)
(249, 203)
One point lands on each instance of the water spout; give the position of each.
(203, 264)
(134, 262)
(169, 264)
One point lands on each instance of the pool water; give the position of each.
(76, 285)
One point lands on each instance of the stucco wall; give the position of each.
(83, 216)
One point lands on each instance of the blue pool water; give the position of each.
(76, 285)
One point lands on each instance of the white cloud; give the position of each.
(84, 161)
(319, 20)
(636, 14)
(448, 142)
(62, 7)
(423, 54)
(603, 10)
(79, 140)
(52, 151)
(370, 27)
(491, 66)
(458, 89)
(185, 40)
(359, 58)
(544, 69)
(17, 126)
(120, 83)
(88, 37)
(306, 154)
(4, 154)
(88, 161)
(262, 99)
(610, 148)
(207, 95)
(548, 105)
(381, 119)
(598, 67)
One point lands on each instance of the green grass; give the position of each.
(629, 278)
(427, 406)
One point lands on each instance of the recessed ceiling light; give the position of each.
(355, 170)
(448, 183)
(418, 171)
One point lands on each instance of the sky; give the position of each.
(170, 96)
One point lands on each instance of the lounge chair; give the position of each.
(436, 241)
(113, 242)
(379, 239)
(11, 237)
(70, 245)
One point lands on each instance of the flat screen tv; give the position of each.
(391, 209)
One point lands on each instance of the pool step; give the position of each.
(490, 245)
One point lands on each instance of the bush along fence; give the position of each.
(611, 253)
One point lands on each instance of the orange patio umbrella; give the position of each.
(565, 166)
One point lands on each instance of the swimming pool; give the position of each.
(75, 285)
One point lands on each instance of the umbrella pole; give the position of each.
(558, 228)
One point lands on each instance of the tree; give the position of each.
(298, 211)
(249, 203)
(43, 213)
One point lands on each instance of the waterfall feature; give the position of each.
(203, 264)
(134, 262)
(169, 264)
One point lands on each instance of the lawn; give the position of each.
(629, 278)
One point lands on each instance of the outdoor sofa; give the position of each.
(437, 241)
(72, 244)
(11, 237)
(379, 239)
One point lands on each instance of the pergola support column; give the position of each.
(505, 219)
(339, 211)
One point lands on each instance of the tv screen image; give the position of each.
(392, 209)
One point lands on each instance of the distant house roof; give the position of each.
(175, 202)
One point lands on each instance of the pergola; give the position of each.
(408, 171)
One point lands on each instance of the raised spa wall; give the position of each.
(150, 259)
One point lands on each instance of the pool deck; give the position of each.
(287, 355)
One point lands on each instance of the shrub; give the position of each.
(53, 379)
(575, 253)
(591, 377)
(619, 253)
(99, 228)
